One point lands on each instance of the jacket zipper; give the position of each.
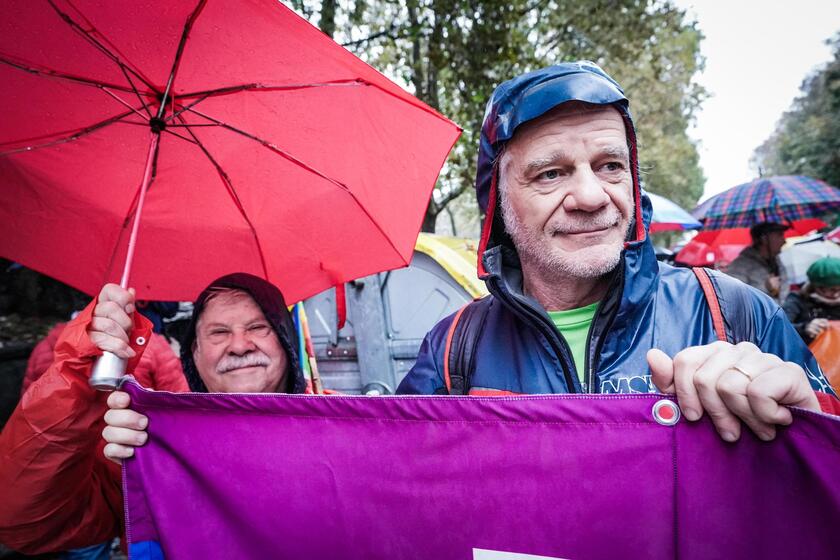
(547, 329)
(614, 291)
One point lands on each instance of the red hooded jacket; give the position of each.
(59, 491)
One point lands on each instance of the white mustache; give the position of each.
(252, 359)
(590, 222)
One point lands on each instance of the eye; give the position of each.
(549, 175)
(259, 329)
(217, 334)
(613, 166)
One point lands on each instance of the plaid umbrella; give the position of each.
(768, 199)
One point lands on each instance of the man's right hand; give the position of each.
(125, 430)
(112, 320)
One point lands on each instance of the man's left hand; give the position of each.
(729, 382)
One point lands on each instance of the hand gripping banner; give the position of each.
(472, 478)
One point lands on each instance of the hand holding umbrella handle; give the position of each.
(110, 330)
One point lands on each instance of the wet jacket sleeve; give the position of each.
(59, 491)
(426, 377)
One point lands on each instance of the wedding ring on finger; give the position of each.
(742, 371)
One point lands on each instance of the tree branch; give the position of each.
(388, 32)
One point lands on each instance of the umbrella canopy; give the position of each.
(266, 147)
(797, 257)
(768, 199)
(721, 247)
(668, 216)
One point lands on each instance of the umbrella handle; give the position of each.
(108, 371)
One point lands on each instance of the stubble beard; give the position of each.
(536, 250)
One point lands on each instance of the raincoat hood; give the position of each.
(273, 306)
(528, 97)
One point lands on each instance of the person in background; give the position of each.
(756, 265)
(818, 302)
(157, 311)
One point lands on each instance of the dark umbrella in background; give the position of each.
(248, 139)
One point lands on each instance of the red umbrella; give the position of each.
(260, 146)
(720, 247)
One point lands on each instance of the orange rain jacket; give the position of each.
(59, 491)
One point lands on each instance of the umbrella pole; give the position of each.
(109, 368)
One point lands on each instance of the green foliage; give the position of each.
(453, 53)
(807, 138)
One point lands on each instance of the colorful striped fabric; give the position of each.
(769, 199)
(469, 478)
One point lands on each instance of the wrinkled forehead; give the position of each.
(568, 115)
(226, 304)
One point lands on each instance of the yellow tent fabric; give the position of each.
(457, 256)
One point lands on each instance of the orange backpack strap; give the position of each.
(712, 300)
(461, 343)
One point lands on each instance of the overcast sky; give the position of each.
(757, 54)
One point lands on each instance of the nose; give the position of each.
(587, 193)
(240, 343)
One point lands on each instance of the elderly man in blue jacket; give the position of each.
(578, 301)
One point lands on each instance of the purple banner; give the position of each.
(472, 478)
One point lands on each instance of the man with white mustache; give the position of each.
(241, 339)
(578, 302)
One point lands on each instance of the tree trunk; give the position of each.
(327, 23)
(430, 219)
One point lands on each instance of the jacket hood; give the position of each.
(273, 306)
(528, 97)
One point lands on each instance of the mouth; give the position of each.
(583, 232)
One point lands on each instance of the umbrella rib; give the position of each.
(50, 73)
(350, 82)
(235, 197)
(184, 108)
(166, 130)
(303, 165)
(92, 40)
(136, 92)
(123, 102)
(192, 125)
(182, 137)
(179, 53)
(76, 134)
